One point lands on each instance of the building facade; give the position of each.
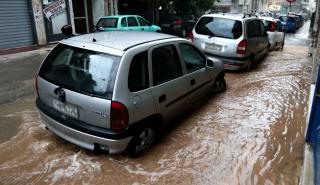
(27, 24)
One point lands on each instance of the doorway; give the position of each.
(83, 21)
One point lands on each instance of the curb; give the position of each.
(308, 166)
(14, 56)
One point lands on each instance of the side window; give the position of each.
(193, 59)
(253, 29)
(138, 73)
(132, 21)
(262, 28)
(166, 64)
(143, 22)
(278, 26)
(124, 22)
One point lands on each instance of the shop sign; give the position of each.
(54, 9)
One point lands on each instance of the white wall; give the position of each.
(97, 10)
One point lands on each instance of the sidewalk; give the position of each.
(19, 56)
(308, 168)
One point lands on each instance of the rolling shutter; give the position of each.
(15, 24)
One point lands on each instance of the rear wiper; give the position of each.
(210, 33)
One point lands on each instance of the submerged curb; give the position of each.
(308, 167)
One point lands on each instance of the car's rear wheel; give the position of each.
(250, 62)
(282, 45)
(141, 142)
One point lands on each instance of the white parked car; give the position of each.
(275, 32)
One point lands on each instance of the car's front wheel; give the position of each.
(219, 85)
(141, 142)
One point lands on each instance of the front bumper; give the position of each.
(83, 139)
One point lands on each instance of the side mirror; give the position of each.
(210, 63)
(67, 30)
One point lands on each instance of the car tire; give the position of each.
(267, 51)
(281, 47)
(219, 85)
(141, 142)
(250, 62)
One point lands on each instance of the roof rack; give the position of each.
(248, 15)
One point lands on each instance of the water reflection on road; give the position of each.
(251, 134)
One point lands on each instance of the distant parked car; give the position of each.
(288, 23)
(275, 32)
(299, 18)
(236, 39)
(114, 90)
(177, 25)
(125, 22)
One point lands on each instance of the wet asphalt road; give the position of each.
(251, 134)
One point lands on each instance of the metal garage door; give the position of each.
(15, 24)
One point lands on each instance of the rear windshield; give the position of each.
(283, 19)
(108, 22)
(219, 27)
(81, 70)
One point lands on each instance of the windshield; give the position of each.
(107, 22)
(219, 27)
(81, 70)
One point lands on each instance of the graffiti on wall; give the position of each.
(54, 9)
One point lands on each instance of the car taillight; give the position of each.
(191, 36)
(119, 116)
(36, 84)
(273, 26)
(178, 22)
(242, 46)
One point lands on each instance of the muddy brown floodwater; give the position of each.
(251, 134)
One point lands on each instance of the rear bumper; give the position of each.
(232, 63)
(83, 139)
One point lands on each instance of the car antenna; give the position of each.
(94, 40)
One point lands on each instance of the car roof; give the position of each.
(119, 40)
(235, 16)
(269, 18)
(119, 16)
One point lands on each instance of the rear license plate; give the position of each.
(214, 47)
(65, 108)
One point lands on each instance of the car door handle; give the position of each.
(193, 81)
(162, 98)
(142, 29)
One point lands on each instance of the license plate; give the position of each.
(213, 47)
(65, 108)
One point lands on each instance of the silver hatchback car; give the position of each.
(113, 90)
(238, 40)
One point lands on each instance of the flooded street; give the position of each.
(251, 134)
